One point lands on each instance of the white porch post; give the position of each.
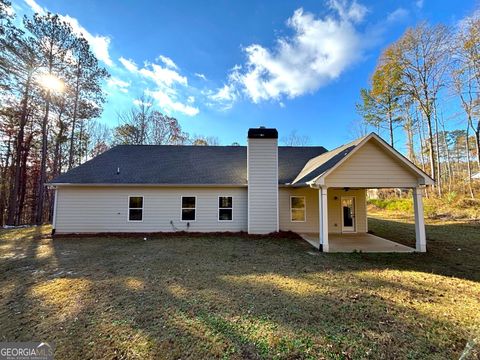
(421, 239)
(323, 219)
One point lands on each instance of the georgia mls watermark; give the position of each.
(26, 350)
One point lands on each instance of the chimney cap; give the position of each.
(262, 133)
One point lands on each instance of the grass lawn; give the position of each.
(224, 297)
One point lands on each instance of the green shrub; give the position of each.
(430, 210)
(401, 205)
(450, 197)
(379, 203)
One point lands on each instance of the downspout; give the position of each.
(54, 219)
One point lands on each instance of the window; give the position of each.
(225, 208)
(135, 208)
(188, 208)
(297, 208)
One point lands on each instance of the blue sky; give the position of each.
(221, 67)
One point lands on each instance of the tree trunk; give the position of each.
(3, 185)
(43, 166)
(410, 140)
(431, 152)
(477, 142)
(390, 127)
(57, 158)
(422, 151)
(23, 177)
(74, 119)
(12, 217)
(469, 167)
(447, 153)
(437, 150)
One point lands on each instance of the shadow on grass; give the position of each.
(235, 298)
(453, 249)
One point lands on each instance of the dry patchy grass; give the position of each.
(239, 298)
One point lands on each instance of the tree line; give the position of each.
(51, 95)
(428, 69)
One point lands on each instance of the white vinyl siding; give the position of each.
(105, 209)
(310, 225)
(311, 206)
(335, 209)
(370, 167)
(262, 186)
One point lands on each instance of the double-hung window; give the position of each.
(297, 208)
(189, 204)
(135, 208)
(225, 208)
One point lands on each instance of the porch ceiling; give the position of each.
(363, 242)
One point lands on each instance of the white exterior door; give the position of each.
(348, 214)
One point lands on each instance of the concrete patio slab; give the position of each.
(363, 242)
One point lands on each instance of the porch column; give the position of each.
(421, 239)
(323, 219)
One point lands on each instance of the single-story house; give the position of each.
(476, 176)
(260, 188)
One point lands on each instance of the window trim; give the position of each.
(218, 210)
(181, 208)
(129, 208)
(304, 208)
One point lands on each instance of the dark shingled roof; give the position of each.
(185, 165)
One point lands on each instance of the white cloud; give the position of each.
(319, 51)
(397, 15)
(226, 93)
(35, 7)
(169, 104)
(419, 4)
(128, 64)
(119, 84)
(201, 76)
(224, 97)
(163, 76)
(9, 10)
(142, 103)
(99, 44)
(354, 12)
(166, 81)
(167, 61)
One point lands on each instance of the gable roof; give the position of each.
(322, 165)
(181, 165)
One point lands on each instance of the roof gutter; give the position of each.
(144, 185)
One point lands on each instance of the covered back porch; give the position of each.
(342, 176)
(361, 242)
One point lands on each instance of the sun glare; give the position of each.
(51, 82)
